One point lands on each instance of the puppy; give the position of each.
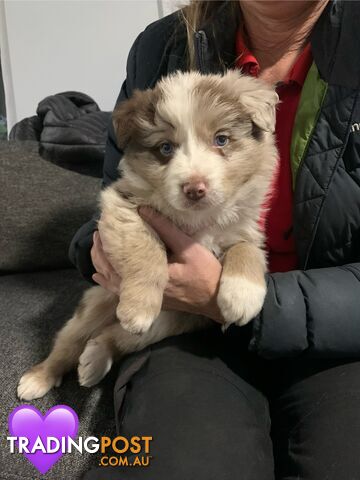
(199, 149)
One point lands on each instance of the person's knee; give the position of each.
(203, 418)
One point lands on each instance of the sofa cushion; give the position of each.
(33, 307)
(42, 206)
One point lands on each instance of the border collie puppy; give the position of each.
(200, 149)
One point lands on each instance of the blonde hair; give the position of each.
(195, 15)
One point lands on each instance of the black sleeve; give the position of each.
(79, 251)
(315, 313)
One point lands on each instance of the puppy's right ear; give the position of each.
(122, 119)
(261, 104)
(132, 117)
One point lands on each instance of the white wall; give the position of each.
(169, 6)
(50, 46)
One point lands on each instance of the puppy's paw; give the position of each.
(36, 383)
(240, 299)
(136, 315)
(136, 324)
(94, 363)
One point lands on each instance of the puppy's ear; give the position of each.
(133, 117)
(261, 105)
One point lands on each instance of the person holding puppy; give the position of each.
(277, 398)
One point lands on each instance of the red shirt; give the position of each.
(278, 216)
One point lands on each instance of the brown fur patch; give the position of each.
(131, 116)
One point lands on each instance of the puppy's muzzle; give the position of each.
(195, 190)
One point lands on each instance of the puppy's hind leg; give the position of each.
(98, 356)
(95, 312)
(114, 342)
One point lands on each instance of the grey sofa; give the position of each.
(42, 205)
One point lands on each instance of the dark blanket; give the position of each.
(71, 131)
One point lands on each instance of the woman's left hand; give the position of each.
(194, 272)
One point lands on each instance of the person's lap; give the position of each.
(204, 400)
(316, 421)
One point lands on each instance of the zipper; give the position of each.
(200, 44)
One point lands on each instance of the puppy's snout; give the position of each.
(195, 189)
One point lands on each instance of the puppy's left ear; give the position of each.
(261, 105)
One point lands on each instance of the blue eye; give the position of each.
(166, 149)
(221, 140)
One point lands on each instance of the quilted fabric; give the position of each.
(71, 129)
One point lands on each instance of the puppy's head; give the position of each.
(196, 140)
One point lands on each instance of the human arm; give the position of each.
(314, 312)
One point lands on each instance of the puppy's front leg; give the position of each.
(242, 285)
(139, 256)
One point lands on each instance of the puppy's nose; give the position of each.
(194, 190)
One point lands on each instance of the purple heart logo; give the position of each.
(58, 422)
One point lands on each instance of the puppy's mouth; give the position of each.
(201, 204)
(208, 202)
